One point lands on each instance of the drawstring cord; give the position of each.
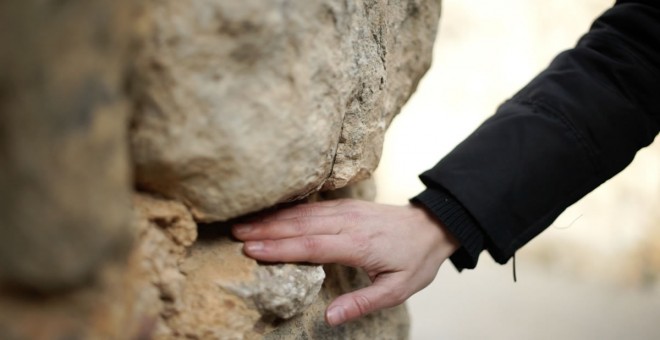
(515, 279)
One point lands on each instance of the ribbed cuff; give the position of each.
(458, 221)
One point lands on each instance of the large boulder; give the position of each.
(244, 104)
(239, 105)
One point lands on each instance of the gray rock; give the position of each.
(387, 324)
(283, 290)
(244, 104)
(64, 173)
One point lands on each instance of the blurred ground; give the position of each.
(595, 273)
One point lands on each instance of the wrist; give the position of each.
(445, 239)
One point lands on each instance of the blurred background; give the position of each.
(595, 273)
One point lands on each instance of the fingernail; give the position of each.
(336, 315)
(254, 246)
(243, 229)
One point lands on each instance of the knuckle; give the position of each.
(396, 297)
(363, 304)
(352, 218)
(299, 225)
(310, 244)
(361, 244)
(396, 294)
(305, 210)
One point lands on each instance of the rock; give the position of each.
(178, 285)
(64, 172)
(209, 289)
(392, 323)
(282, 290)
(206, 287)
(218, 274)
(241, 105)
(164, 230)
(129, 300)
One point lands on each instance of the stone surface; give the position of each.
(239, 105)
(129, 300)
(95, 311)
(165, 230)
(244, 104)
(206, 288)
(209, 289)
(64, 173)
(386, 324)
(282, 290)
(178, 285)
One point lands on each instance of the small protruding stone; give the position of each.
(283, 290)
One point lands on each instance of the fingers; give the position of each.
(381, 294)
(294, 226)
(315, 249)
(322, 208)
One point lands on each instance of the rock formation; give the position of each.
(244, 104)
(221, 109)
(64, 166)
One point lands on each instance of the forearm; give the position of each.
(573, 127)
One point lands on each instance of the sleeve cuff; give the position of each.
(458, 221)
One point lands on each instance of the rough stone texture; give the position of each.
(282, 290)
(165, 229)
(239, 105)
(96, 311)
(177, 285)
(387, 324)
(391, 323)
(185, 287)
(64, 173)
(244, 104)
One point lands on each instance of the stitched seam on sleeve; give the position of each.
(538, 104)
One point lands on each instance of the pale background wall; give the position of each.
(595, 272)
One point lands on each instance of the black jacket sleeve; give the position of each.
(573, 127)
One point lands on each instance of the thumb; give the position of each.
(383, 293)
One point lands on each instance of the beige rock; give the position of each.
(386, 324)
(177, 285)
(282, 290)
(99, 310)
(210, 289)
(207, 288)
(64, 173)
(244, 104)
(165, 230)
(239, 105)
(128, 300)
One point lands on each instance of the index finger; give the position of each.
(294, 226)
(323, 208)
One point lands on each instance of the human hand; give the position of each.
(401, 248)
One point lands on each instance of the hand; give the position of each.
(400, 247)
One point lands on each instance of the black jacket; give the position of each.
(573, 127)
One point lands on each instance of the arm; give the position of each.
(573, 127)
(576, 125)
